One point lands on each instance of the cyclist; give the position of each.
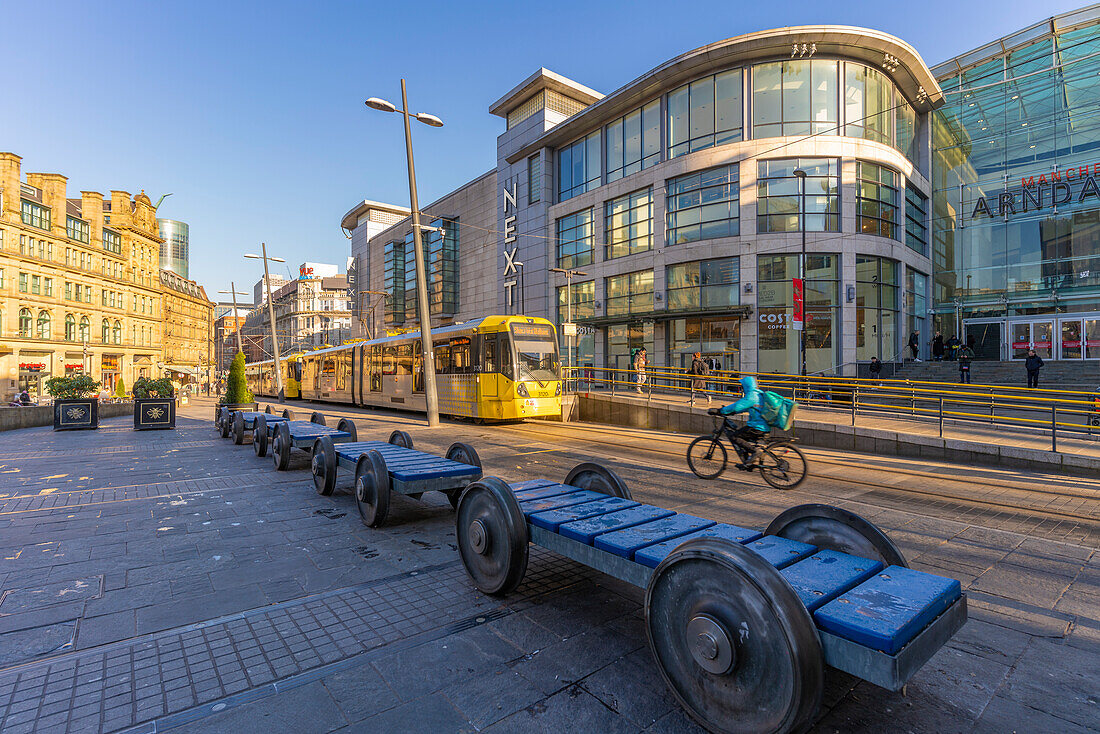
(746, 437)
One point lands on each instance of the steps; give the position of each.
(1065, 374)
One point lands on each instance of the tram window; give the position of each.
(442, 358)
(389, 360)
(418, 368)
(490, 360)
(376, 369)
(461, 364)
(297, 368)
(404, 360)
(343, 367)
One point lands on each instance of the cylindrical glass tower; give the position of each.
(174, 249)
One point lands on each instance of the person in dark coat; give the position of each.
(953, 348)
(914, 345)
(937, 347)
(876, 369)
(1033, 364)
(965, 354)
(699, 369)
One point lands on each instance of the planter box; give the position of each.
(154, 413)
(75, 415)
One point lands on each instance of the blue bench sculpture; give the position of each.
(292, 434)
(741, 622)
(223, 417)
(393, 467)
(247, 421)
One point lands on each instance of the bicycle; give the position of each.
(781, 463)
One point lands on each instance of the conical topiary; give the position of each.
(120, 388)
(236, 391)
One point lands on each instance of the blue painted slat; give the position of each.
(553, 519)
(827, 574)
(530, 484)
(625, 542)
(780, 552)
(889, 609)
(586, 530)
(654, 554)
(423, 473)
(542, 492)
(560, 501)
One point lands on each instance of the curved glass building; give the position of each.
(174, 251)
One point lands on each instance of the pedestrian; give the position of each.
(876, 369)
(953, 345)
(24, 397)
(965, 354)
(1033, 364)
(937, 347)
(699, 369)
(914, 344)
(640, 361)
(104, 394)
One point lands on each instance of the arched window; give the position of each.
(85, 329)
(117, 332)
(70, 328)
(43, 324)
(106, 331)
(25, 320)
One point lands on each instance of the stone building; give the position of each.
(79, 282)
(312, 312)
(188, 328)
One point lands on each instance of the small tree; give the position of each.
(120, 388)
(72, 388)
(236, 391)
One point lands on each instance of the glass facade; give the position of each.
(630, 293)
(779, 201)
(584, 308)
(703, 284)
(794, 98)
(440, 269)
(916, 220)
(1016, 205)
(628, 224)
(705, 113)
(876, 308)
(634, 142)
(868, 104)
(703, 205)
(175, 250)
(778, 343)
(576, 239)
(876, 200)
(579, 167)
(394, 273)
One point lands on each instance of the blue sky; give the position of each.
(252, 115)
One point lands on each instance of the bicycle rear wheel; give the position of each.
(707, 457)
(783, 466)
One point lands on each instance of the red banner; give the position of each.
(798, 304)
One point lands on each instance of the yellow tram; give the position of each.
(496, 368)
(261, 376)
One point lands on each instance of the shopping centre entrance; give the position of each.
(1056, 336)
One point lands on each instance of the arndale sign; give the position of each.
(1070, 185)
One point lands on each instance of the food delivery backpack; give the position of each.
(777, 410)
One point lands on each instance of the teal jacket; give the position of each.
(749, 403)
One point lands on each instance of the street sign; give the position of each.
(569, 329)
(796, 322)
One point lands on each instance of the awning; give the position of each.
(183, 369)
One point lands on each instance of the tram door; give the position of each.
(490, 365)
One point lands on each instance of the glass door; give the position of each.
(1092, 338)
(1072, 345)
(1037, 335)
(1021, 340)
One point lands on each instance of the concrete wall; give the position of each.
(42, 415)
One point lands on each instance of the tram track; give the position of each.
(593, 436)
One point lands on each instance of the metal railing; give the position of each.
(1057, 412)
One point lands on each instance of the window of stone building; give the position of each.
(795, 97)
(703, 205)
(705, 113)
(633, 141)
(780, 199)
(876, 200)
(25, 322)
(629, 224)
(44, 321)
(579, 167)
(576, 239)
(35, 215)
(70, 327)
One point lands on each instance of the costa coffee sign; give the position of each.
(1075, 184)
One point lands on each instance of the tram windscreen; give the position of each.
(536, 352)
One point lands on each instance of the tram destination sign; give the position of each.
(1072, 185)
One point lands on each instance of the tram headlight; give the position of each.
(521, 390)
(557, 389)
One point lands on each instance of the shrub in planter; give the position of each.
(154, 404)
(75, 405)
(237, 396)
(120, 389)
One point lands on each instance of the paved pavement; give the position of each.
(162, 581)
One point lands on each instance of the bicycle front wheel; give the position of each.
(783, 466)
(707, 457)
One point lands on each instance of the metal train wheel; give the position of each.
(372, 489)
(732, 639)
(597, 478)
(492, 536)
(401, 438)
(348, 426)
(463, 453)
(259, 436)
(269, 410)
(280, 447)
(238, 428)
(317, 418)
(288, 414)
(218, 418)
(832, 528)
(323, 466)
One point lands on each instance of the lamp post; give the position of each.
(418, 249)
(572, 330)
(234, 292)
(801, 176)
(271, 316)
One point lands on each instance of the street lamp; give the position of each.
(418, 249)
(801, 176)
(271, 316)
(571, 329)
